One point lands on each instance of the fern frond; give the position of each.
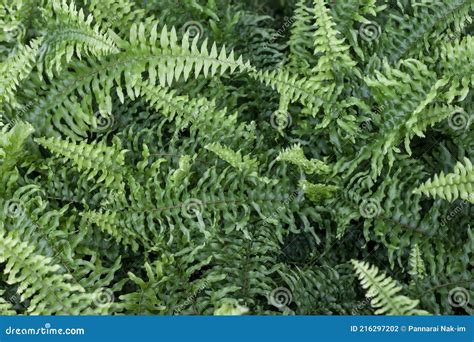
(296, 89)
(6, 308)
(69, 33)
(96, 159)
(406, 34)
(384, 292)
(329, 46)
(300, 40)
(147, 299)
(317, 192)
(295, 155)
(15, 69)
(12, 140)
(417, 265)
(244, 164)
(47, 290)
(124, 12)
(451, 186)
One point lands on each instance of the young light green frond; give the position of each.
(70, 33)
(48, 291)
(244, 164)
(451, 186)
(156, 54)
(12, 139)
(329, 45)
(318, 192)
(15, 69)
(175, 60)
(384, 292)
(300, 40)
(295, 155)
(124, 12)
(296, 89)
(230, 307)
(97, 160)
(6, 308)
(417, 265)
(457, 67)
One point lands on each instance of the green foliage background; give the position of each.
(236, 157)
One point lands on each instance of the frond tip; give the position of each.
(384, 292)
(458, 184)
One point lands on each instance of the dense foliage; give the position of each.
(236, 157)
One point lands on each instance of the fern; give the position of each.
(417, 266)
(197, 157)
(48, 291)
(384, 292)
(452, 186)
(94, 159)
(69, 33)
